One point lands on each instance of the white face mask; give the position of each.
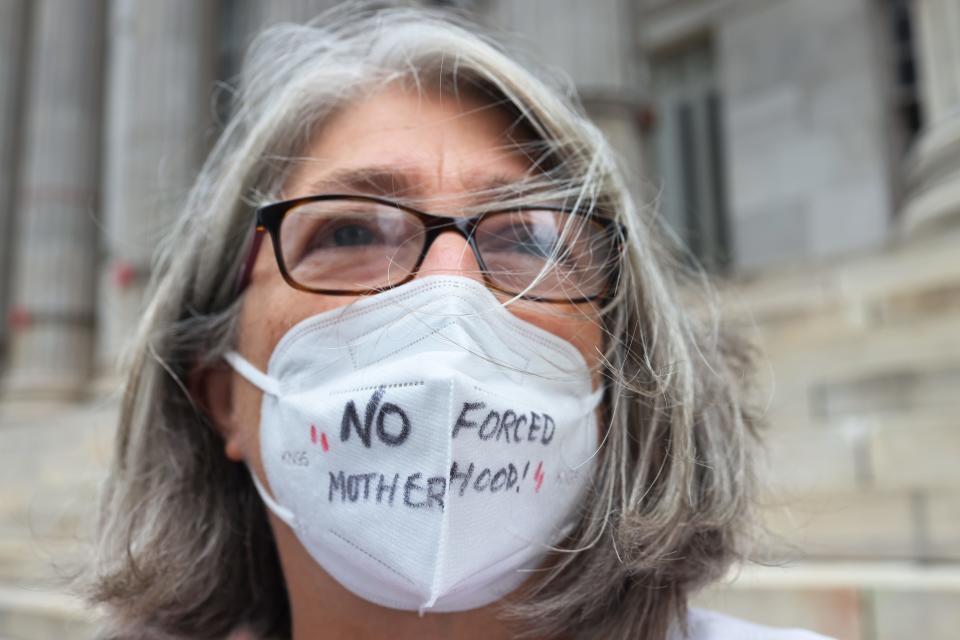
(426, 446)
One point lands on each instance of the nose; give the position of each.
(450, 255)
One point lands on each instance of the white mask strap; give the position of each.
(280, 511)
(593, 400)
(253, 375)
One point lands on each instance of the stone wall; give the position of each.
(806, 125)
(848, 274)
(52, 459)
(863, 491)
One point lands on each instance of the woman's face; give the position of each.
(436, 151)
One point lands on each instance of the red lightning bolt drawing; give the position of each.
(538, 476)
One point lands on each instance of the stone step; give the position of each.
(891, 575)
(30, 613)
(33, 561)
(849, 600)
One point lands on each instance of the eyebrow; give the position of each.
(391, 182)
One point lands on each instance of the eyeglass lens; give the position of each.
(350, 245)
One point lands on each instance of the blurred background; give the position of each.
(807, 152)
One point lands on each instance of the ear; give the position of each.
(211, 388)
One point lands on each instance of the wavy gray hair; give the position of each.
(184, 547)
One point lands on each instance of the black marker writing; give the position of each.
(351, 419)
(492, 421)
(412, 485)
(457, 475)
(462, 422)
(506, 426)
(382, 487)
(435, 489)
(351, 487)
(428, 492)
(359, 487)
(492, 480)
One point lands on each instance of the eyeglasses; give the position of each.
(352, 244)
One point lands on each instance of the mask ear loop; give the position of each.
(280, 511)
(253, 375)
(592, 401)
(269, 386)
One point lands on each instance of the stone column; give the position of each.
(249, 17)
(934, 166)
(593, 42)
(54, 288)
(160, 82)
(263, 14)
(13, 23)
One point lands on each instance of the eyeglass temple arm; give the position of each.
(244, 277)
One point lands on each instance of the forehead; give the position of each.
(406, 142)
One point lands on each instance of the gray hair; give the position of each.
(184, 548)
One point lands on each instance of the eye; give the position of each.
(352, 235)
(521, 237)
(339, 242)
(533, 246)
(344, 232)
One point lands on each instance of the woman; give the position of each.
(414, 365)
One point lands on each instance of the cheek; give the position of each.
(259, 330)
(578, 325)
(269, 310)
(257, 334)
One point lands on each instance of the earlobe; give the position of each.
(212, 390)
(232, 450)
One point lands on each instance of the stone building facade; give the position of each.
(807, 152)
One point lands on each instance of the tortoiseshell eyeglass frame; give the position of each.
(269, 218)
